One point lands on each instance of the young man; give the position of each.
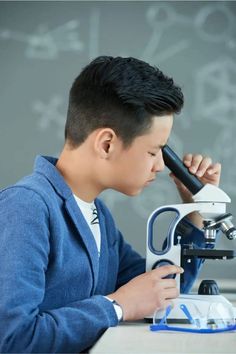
(63, 261)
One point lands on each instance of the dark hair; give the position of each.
(120, 93)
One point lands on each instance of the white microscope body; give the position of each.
(210, 202)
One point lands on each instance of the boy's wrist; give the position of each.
(117, 308)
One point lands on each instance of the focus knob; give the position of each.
(208, 287)
(162, 263)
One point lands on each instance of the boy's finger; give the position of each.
(188, 159)
(196, 161)
(215, 168)
(165, 270)
(204, 165)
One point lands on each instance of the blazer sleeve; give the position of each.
(24, 250)
(131, 264)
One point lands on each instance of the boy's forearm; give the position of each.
(196, 219)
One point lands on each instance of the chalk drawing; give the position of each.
(224, 148)
(215, 22)
(49, 114)
(47, 43)
(216, 91)
(161, 17)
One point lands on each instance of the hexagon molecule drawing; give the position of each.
(217, 13)
(216, 91)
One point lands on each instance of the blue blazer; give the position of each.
(52, 280)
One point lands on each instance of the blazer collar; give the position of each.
(46, 166)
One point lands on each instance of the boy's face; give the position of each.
(136, 167)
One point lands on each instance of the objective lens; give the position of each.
(231, 233)
(228, 229)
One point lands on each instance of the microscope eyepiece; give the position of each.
(194, 185)
(176, 165)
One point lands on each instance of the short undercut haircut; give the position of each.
(123, 94)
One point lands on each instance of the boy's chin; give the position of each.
(133, 193)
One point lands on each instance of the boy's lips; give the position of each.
(150, 181)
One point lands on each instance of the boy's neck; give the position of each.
(78, 171)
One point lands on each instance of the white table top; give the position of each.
(130, 337)
(137, 338)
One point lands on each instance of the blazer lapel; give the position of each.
(104, 284)
(86, 236)
(47, 166)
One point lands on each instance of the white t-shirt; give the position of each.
(90, 214)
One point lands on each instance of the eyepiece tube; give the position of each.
(176, 165)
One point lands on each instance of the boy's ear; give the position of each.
(105, 142)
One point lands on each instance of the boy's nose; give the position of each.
(159, 164)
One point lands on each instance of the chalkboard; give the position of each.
(44, 45)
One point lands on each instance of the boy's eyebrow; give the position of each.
(160, 146)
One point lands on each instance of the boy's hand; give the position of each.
(203, 168)
(147, 292)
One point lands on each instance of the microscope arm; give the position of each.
(207, 210)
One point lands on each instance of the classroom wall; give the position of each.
(44, 45)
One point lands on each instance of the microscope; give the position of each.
(210, 202)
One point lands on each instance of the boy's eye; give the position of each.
(152, 154)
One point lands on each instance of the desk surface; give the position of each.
(137, 338)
